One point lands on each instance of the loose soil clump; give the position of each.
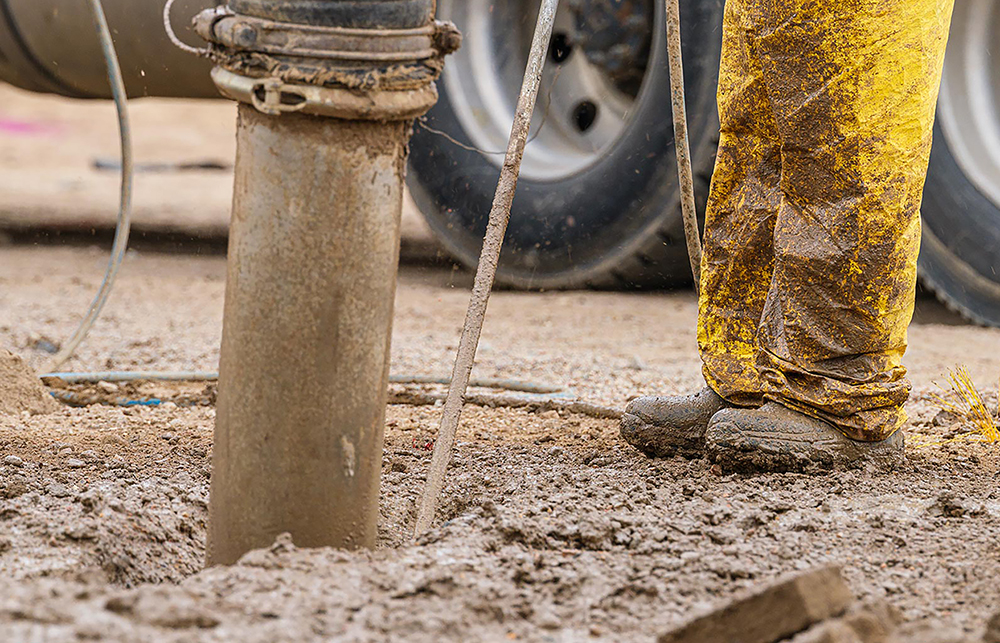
(20, 389)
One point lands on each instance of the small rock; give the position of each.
(929, 631)
(547, 620)
(950, 505)
(169, 437)
(75, 463)
(80, 532)
(90, 499)
(993, 630)
(58, 490)
(172, 610)
(89, 454)
(829, 632)
(398, 466)
(944, 418)
(776, 612)
(636, 364)
(107, 387)
(779, 506)
(42, 343)
(13, 461)
(555, 452)
(863, 623)
(14, 487)
(873, 622)
(721, 536)
(121, 604)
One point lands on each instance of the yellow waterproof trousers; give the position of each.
(813, 223)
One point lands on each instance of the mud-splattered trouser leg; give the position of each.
(813, 226)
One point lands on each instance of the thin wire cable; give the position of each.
(124, 224)
(169, 28)
(422, 122)
(211, 376)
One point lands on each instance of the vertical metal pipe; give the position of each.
(313, 255)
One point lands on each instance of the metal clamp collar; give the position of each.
(378, 46)
(361, 59)
(273, 96)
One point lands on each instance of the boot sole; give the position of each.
(739, 449)
(651, 440)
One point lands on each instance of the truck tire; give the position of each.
(597, 204)
(960, 254)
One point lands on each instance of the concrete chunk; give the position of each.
(863, 623)
(777, 612)
(929, 631)
(836, 631)
(873, 622)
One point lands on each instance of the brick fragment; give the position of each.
(777, 612)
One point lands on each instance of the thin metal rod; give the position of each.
(486, 272)
(682, 147)
(123, 227)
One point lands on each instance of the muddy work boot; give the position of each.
(672, 425)
(775, 438)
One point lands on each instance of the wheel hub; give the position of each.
(593, 77)
(615, 35)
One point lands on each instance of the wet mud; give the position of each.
(550, 528)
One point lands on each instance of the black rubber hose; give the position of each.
(355, 14)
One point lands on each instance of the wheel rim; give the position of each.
(969, 106)
(578, 116)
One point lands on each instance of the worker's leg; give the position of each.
(739, 222)
(853, 86)
(736, 270)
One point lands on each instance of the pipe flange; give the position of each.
(274, 96)
(360, 59)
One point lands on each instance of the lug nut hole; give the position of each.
(560, 48)
(585, 115)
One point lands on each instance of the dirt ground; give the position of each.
(551, 529)
(59, 168)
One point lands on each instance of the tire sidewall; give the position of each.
(959, 256)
